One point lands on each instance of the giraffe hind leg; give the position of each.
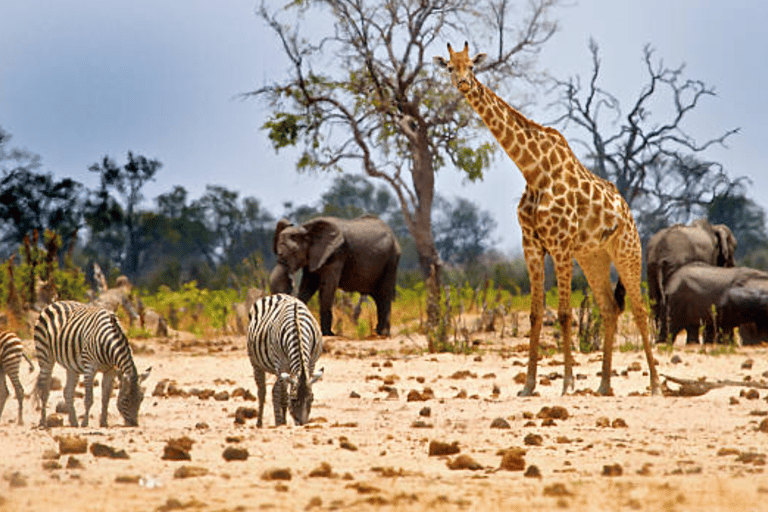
(597, 270)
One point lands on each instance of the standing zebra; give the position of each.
(11, 352)
(86, 340)
(284, 339)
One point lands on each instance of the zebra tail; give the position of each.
(29, 361)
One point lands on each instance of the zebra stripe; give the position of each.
(285, 340)
(86, 340)
(11, 352)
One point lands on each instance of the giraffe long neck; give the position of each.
(527, 143)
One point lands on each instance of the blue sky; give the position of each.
(161, 78)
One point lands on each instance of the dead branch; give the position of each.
(689, 387)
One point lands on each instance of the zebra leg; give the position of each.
(3, 392)
(261, 392)
(106, 393)
(43, 387)
(279, 401)
(19, 397)
(69, 397)
(90, 373)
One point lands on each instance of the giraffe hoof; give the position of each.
(526, 392)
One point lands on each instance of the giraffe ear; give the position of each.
(478, 59)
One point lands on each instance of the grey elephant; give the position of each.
(358, 255)
(676, 246)
(746, 308)
(695, 290)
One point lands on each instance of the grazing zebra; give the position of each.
(284, 339)
(11, 352)
(86, 340)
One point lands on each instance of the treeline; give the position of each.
(219, 240)
(224, 240)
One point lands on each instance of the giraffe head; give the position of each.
(460, 66)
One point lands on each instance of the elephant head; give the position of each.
(309, 245)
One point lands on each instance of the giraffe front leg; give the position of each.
(534, 258)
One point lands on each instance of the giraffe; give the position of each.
(568, 212)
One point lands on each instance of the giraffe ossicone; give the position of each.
(568, 212)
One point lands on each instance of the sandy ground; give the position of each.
(367, 446)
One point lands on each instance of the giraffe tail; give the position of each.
(619, 293)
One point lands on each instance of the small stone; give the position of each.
(532, 472)
(354, 394)
(324, 470)
(533, 440)
(127, 479)
(189, 472)
(747, 365)
(244, 413)
(231, 453)
(556, 490)
(500, 423)
(50, 465)
(618, 423)
(556, 412)
(221, 396)
(276, 474)
(612, 470)
(73, 445)
(464, 462)
(763, 427)
(415, 396)
(102, 450)
(439, 448)
(426, 412)
(513, 460)
(346, 444)
(603, 422)
(676, 359)
(178, 449)
(752, 394)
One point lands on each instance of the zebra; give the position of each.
(85, 340)
(284, 339)
(11, 352)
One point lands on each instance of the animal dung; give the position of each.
(439, 448)
(235, 453)
(102, 450)
(276, 474)
(73, 445)
(178, 449)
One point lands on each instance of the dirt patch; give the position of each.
(368, 445)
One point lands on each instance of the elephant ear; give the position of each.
(281, 225)
(325, 239)
(727, 245)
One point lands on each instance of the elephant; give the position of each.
(695, 290)
(746, 308)
(357, 255)
(676, 246)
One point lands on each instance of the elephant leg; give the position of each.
(328, 284)
(383, 311)
(692, 335)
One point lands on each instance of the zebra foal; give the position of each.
(11, 352)
(284, 339)
(86, 340)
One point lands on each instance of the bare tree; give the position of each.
(361, 90)
(656, 165)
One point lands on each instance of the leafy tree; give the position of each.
(33, 201)
(462, 231)
(116, 227)
(351, 196)
(656, 165)
(361, 91)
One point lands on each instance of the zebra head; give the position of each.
(130, 397)
(300, 395)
